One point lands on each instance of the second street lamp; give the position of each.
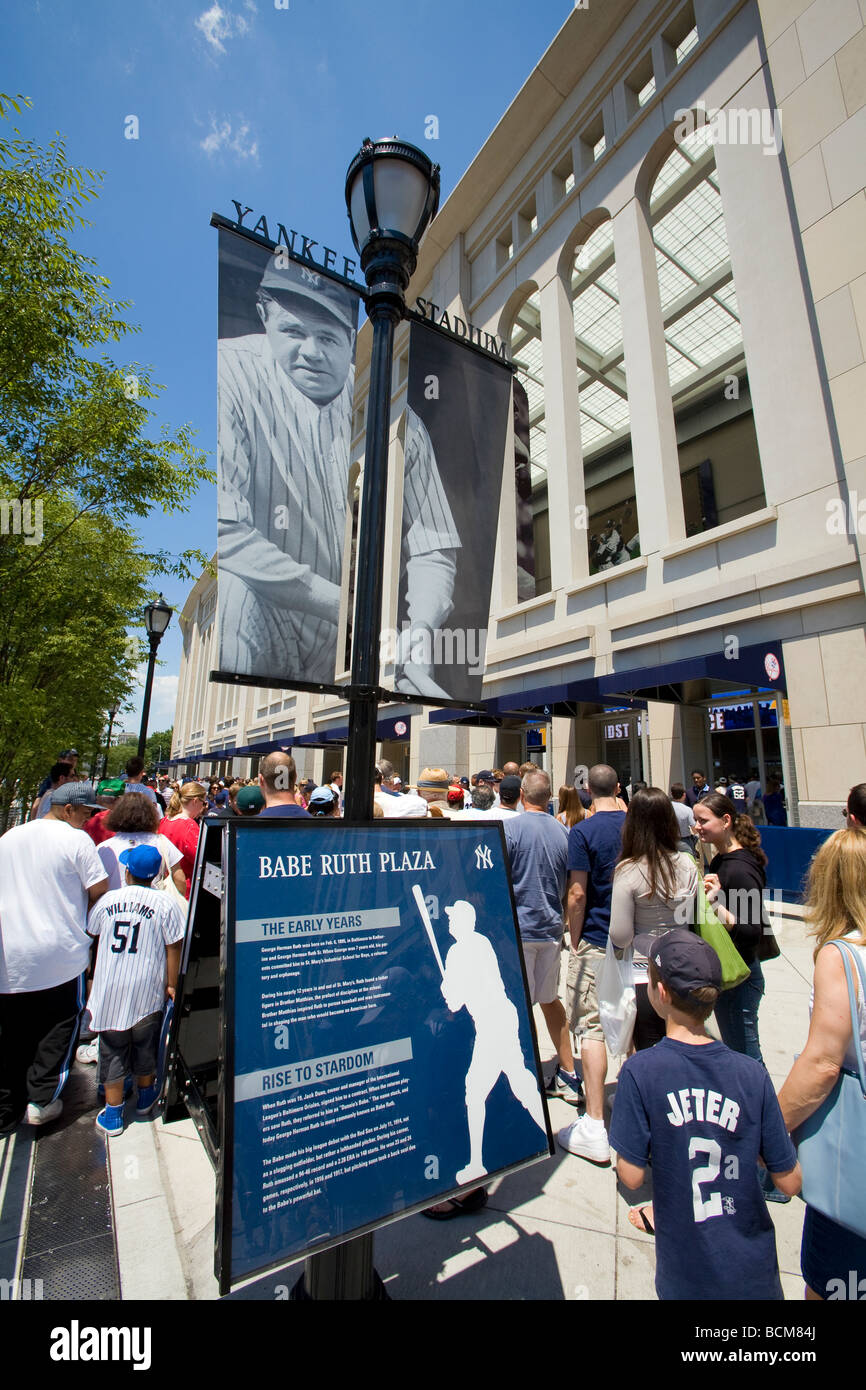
(157, 617)
(112, 715)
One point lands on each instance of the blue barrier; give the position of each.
(789, 850)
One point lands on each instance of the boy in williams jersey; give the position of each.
(140, 931)
(706, 1115)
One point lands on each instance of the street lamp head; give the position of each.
(392, 194)
(157, 617)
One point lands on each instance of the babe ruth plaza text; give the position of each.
(301, 865)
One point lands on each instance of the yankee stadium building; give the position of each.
(666, 236)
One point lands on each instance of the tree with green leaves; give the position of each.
(78, 468)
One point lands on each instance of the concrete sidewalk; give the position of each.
(557, 1230)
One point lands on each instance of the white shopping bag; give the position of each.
(617, 1004)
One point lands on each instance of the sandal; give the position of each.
(640, 1220)
(458, 1206)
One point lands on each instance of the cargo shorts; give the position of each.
(581, 998)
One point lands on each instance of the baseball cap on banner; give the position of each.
(143, 861)
(285, 276)
(76, 794)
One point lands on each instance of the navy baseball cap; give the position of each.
(509, 788)
(143, 861)
(485, 776)
(285, 276)
(683, 959)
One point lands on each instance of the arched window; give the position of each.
(612, 530)
(720, 466)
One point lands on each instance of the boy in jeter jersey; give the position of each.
(140, 931)
(706, 1115)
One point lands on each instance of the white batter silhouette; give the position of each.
(472, 981)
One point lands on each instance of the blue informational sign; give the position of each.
(380, 1053)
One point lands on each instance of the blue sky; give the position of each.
(242, 99)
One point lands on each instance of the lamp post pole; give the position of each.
(112, 715)
(387, 224)
(157, 617)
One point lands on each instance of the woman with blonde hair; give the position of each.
(835, 911)
(570, 807)
(181, 824)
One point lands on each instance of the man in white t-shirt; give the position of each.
(396, 805)
(510, 804)
(483, 806)
(50, 875)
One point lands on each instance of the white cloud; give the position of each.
(163, 699)
(226, 139)
(218, 25)
(163, 702)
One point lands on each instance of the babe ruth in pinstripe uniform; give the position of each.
(285, 408)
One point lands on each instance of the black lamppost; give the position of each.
(112, 715)
(392, 193)
(157, 617)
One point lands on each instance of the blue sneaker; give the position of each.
(110, 1120)
(565, 1087)
(147, 1098)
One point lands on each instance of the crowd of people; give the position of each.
(618, 869)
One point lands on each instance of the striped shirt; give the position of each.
(283, 497)
(283, 482)
(135, 925)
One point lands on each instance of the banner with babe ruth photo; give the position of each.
(456, 425)
(285, 388)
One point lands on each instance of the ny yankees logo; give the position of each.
(310, 277)
(483, 857)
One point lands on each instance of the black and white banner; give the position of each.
(286, 381)
(456, 424)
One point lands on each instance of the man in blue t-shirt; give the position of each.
(538, 853)
(277, 777)
(705, 1115)
(593, 849)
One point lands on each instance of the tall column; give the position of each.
(569, 551)
(784, 380)
(653, 434)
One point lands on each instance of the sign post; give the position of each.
(378, 1051)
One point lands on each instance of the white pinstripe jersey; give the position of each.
(134, 926)
(283, 483)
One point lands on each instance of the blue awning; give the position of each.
(755, 668)
(394, 728)
(541, 703)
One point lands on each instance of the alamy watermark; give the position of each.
(846, 520)
(441, 646)
(15, 1290)
(745, 904)
(19, 518)
(733, 125)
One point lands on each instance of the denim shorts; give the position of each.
(832, 1258)
(130, 1052)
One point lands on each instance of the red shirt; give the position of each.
(95, 827)
(183, 833)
